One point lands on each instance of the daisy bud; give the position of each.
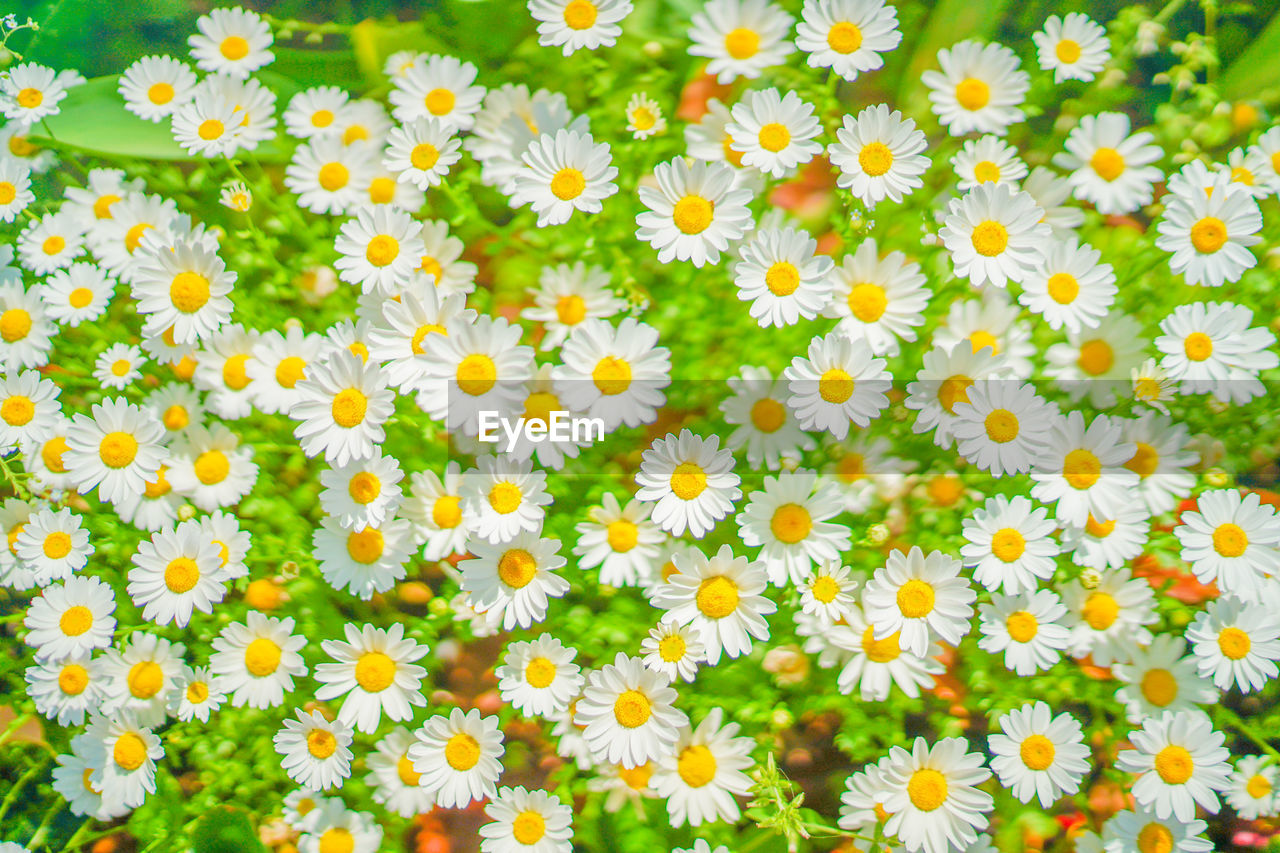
(878, 534)
(186, 512)
(1090, 578)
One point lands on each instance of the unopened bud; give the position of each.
(878, 534)
(1090, 578)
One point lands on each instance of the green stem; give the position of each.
(1245, 729)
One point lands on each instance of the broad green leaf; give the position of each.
(1257, 69)
(373, 41)
(93, 119)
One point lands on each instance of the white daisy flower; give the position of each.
(567, 296)
(1237, 642)
(458, 757)
(196, 695)
(773, 132)
(30, 93)
(847, 36)
(627, 714)
(1180, 762)
(50, 243)
(422, 152)
(1132, 829)
(722, 596)
(1001, 426)
(539, 677)
(114, 448)
(1072, 47)
(990, 321)
(184, 287)
(674, 650)
(1111, 542)
(879, 153)
(233, 41)
(1026, 628)
(329, 177)
(1210, 349)
(838, 383)
(1253, 786)
(379, 250)
(437, 86)
(1231, 540)
(176, 572)
(278, 363)
(741, 37)
(994, 234)
(342, 404)
(1209, 235)
(827, 592)
(1096, 362)
(1009, 544)
(943, 381)
(1083, 470)
(988, 160)
(116, 367)
(934, 799)
(15, 189)
(783, 278)
(1109, 615)
(501, 499)
(879, 300)
(565, 172)
(874, 666)
(208, 466)
(1039, 755)
(623, 542)
(1109, 167)
(1070, 287)
(331, 825)
(691, 481)
(362, 561)
(1161, 460)
(362, 493)
(1158, 678)
(485, 366)
(980, 88)
(919, 597)
(790, 518)
(644, 117)
(25, 331)
(316, 752)
(374, 671)
(65, 690)
(29, 409)
(434, 508)
(695, 212)
(123, 755)
(626, 369)
(257, 659)
(763, 423)
(703, 773)
(514, 578)
(573, 25)
(392, 777)
(523, 821)
(315, 112)
(1051, 193)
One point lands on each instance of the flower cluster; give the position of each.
(965, 427)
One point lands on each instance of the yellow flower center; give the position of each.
(212, 467)
(915, 599)
(742, 43)
(622, 535)
(692, 214)
(102, 210)
(672, 648)
(424, 155)
(1022, 626)
(375, 672)
(145, 679)
(989, 238)
(568, 183)
(197, 692)
(1198, 346)
(868, 301)
(160, 93)
(880, 651)
(529, 827)
(73, 679)
(261, 657)
(382, 250)
(986, 172)
(835, 386)
(1230, 540)
(337, 839)
(462, 752)
(688, 480)
(774, 137)
(189, 291)
(1008, 544)
(1100, 610)
(117, 449)
(408, 776)
(1174, 764)
(1001, 425)
(517, 568)
(321, 743)
(14, 325)
(8, 192)
(717, 597)
(768, 415)
(1067, 51)
(782, 278)
(349, 407)
(972, 93)
(1107, 163)
(333, 177)
(210, 129)
(1081, 469)
(129, 752)
(290, 371)
(1037, 752)
(1209, 235)
(476, 374)
(234, 48)
(364, 488)
(17, 410)
(571, 309)
(447, 512)
(440, 101)
(927, 789)
(365, 546)
(30, 98)
(540, 672)
(954, 389)
(1099, 529)
(875, 158)
(696, 766)
(844, 37)
(791, 523)
(75, 620)
(1234, 643)
(825, 589)
(181, 575)
(632, 709)
(51, 454)
(1096, 357)
(53, 245)
(1258, 787)
(1063, 288)
(642, 118)
(505, 497)
(1159, 687)
(611, 375)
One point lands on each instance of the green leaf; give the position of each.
(94, 120)
(1257, 69)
